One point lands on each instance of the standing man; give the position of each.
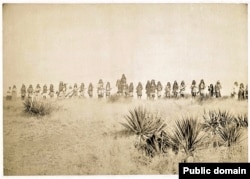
(159, 89)
(241, 92)
(82, 90)
(235, 91)
(175, 89)
(90, 90)
(51, 91)
(30, 92)
(100, 89)
(131, 89)
(193, 89)
(23, 92)
(148, 86)
(202, 88)
(14, 92)
(152, 89)
(139, 89)
(9, 94)
(168, 90)
(211, 90)
(182, 89)
(108, 89)
(217, 89)
(45, 90)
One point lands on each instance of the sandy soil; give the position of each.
(84, 136)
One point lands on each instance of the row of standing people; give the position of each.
(239, 91)
(153, 90)
(63, 91)
(213, 90)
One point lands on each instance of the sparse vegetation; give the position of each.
(225, 125)
(37, 107)
(85, 137)
(117, 98)
(204, 99)
(188, 133)
(114, 98)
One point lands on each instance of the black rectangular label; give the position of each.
(208, 170)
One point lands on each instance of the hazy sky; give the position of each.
(83, 43)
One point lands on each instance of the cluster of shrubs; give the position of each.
(187, 134)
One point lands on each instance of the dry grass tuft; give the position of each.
(38, 107)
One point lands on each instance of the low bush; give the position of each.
(37, 107)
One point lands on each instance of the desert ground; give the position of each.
(85, 137)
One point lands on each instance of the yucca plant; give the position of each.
(225, 118)
(150, 147)
(164, 141)
(230, 134)
(37, 107)
(225, 125)
(242, 120)
(214, 119)
(148, 127)
(211, 122)
(187, 135)
(154, 145)
(159, 143)
(142, 123)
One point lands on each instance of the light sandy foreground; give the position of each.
(84, 136)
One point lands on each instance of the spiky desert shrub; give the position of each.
(154, 145)
(215, 119)
(225, 125)
(186, 135)
(149, 147)
(142, 123)
(211, 122)
(225, 118)
(230, 134)
(149, 128)
(37, 107)
(242, 120)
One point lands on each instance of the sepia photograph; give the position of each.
(123, 88)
